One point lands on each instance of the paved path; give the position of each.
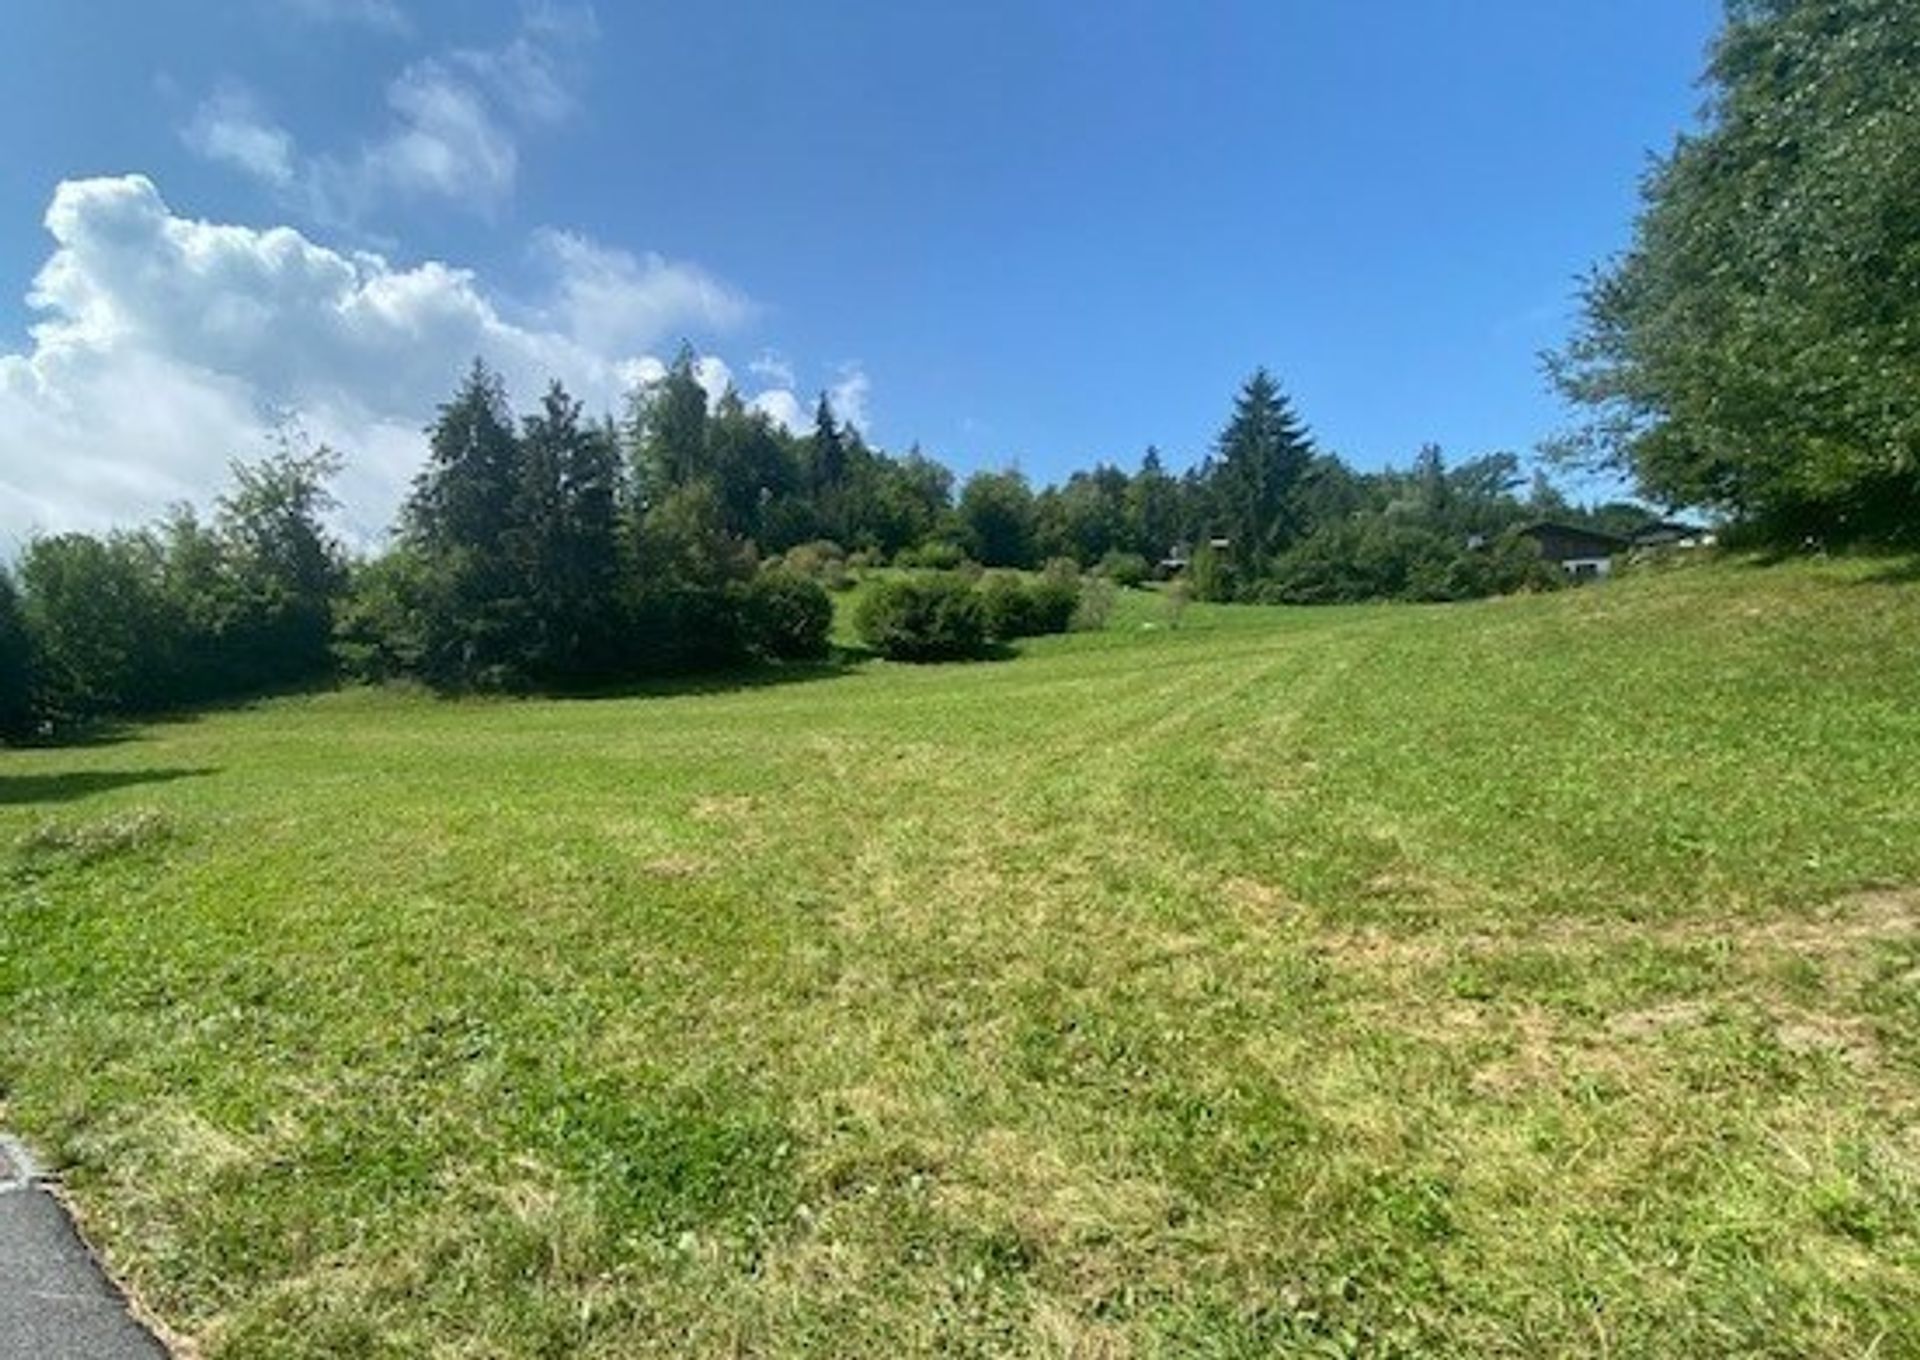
(54, 1302)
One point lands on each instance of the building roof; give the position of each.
(1561, 541)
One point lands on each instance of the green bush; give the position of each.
(785, 616)
(1016, 607)
(933, 555)
(1095, 607)
(822, 560)
(934, 617)
(1125, 569)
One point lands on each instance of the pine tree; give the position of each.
(670, 429)
(565, 541)
(462, 519)
(1263, 452)
(465, 495)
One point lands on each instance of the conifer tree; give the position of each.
(1263, 452)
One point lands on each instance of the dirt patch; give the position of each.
(1253, 895)
(1657, 1020)
(1807, 1035)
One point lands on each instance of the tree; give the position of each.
(108, 638)
(16, 665)
(282, 569)
(1755, 350)
(565, 540)
(1152, 509)
(670, 429)
(461, 519)
(1263, 453)
(749, 465)
(996, 514)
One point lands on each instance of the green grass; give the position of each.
(1539, 977)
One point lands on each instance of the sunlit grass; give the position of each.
(1535, 977)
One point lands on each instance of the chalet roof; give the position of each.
(1543, 527)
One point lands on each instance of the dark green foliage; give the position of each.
(1755, 352)
(462, 519)
(565, 544)
(1015, 607)
(380, 628)
(1264, 452)
(669, 429)
(1212, 574)
(933, 555)
(1087, 517)
(107, 636)
(280, 568)
(1125, 569)
(785, 616)
(935, 616)
(997, 516)
(16, 666)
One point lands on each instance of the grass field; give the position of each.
(1539, 977)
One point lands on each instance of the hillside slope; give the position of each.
(1535, 977)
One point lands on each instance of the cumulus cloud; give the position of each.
(168, 346)
(453, 128)
(783, 405)
(610, 298)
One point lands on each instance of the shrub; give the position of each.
(1004, 603)
(785, 616)
(822, 560)
(933, 555)
(1177, 596)
(1096, 606)
(1125, 569)
(1017, 608)
(936, 617)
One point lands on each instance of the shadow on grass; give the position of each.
(1895, 572)
(724, 681)
(18, 790)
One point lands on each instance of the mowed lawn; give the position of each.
(1538, 977)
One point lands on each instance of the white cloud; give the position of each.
(168, 346)
(453, 131)
(783, 405)
(610, 298)
(229, 127)
(774, 368)
(785, 410)
(850, 396)
(445, 143)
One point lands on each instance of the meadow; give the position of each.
(1534, 977)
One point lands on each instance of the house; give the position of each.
(1672, 533)
(1180, 556)
(1584, 554)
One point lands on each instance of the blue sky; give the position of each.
(1020, 230)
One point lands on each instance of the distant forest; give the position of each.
(1754, 355)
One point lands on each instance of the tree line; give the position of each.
(553, 550)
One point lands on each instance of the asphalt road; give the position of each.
(54, 1302)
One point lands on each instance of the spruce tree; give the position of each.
(1263, 452)
(462, 519)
